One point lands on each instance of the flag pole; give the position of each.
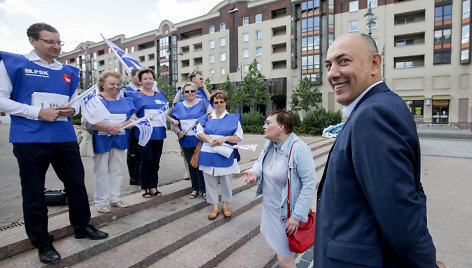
(185, 132)
(80, 96)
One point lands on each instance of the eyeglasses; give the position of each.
(218, 102)
(51, 42)
(189, 91)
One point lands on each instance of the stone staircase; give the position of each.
(167, 231)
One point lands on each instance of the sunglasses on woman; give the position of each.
(189, 91)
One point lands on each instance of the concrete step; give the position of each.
(156, 244)
(213, 247)
(15, 241)
(256, 253)
(121, 229)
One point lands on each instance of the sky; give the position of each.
(83, 20)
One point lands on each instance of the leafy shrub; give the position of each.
(253, 122)
(76, 119)
(317, 120)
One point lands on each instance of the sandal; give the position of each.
(226, 212)
(213, 214)
(104, 209)
(119, 204)
(146, 194)
(156, 192)
(204, 195)
(193, 195)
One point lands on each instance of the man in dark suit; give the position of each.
(371, 208)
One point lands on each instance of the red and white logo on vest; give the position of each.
(67, 79)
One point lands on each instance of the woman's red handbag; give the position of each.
(305, 235)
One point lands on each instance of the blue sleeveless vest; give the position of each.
(187, 116)
(225, 126)
(27, 78)
(103, 143)
(144, 104)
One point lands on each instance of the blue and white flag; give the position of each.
(145, 130)
(128, 62)
(92, 108)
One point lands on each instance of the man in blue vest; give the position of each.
(202, 91)
(33, 90)
(133, 158)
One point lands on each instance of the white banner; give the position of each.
(92, 108)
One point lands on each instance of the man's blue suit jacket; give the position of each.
(371, 208)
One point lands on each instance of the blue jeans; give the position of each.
(196, 175)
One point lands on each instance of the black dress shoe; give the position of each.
(91, 233)
(48, 254)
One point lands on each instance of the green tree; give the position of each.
(165, 88)
(303, 97)
(231, 105)
(209, 85)
(253, 91)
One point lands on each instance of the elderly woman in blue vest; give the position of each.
(110, 143)
(219, 162)
(148, 101)
(188, 112)
(275, 170)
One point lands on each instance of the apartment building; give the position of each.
(425, 45)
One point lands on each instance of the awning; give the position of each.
(413, 98)
(442, 97)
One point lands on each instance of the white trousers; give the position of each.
(211, 187)
(108, 175)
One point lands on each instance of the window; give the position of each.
(245, 37)
(223, 57)
(212, 43)
(374, 24)
(246, 53)
(311, 24)
(258, 34)
(246, 68)
(258, 18)
(245, 21)
(212, 58)
(259, 66)
(443, 13)
(132, 49)
(466, 9)
(353, 6)
(212, 72)
(404, 42)
(223, 71)
(222, 26)
(212, 28)
(405, 20)
(373, 3)
(442, 37)
(401, 64)
(223, 42)
(353, 26)
(442, 57)
(258, 51)
(465, 55)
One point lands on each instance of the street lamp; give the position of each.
(370, 18)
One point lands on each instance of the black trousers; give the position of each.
(133, 159)
(150, 159)
(33, 161)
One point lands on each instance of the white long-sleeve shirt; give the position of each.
(20, 109)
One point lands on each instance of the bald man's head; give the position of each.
(353, 64)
